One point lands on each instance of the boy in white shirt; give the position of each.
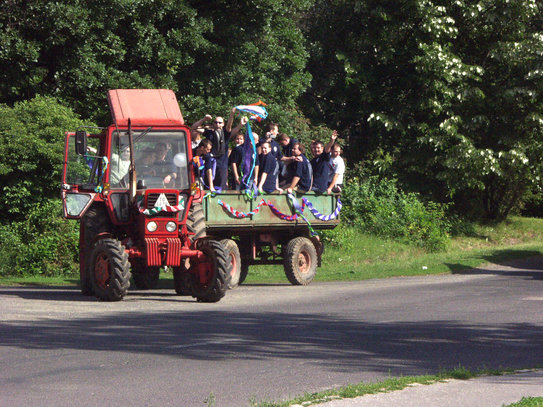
(338, 169)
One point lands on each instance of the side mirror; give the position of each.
(80, 142)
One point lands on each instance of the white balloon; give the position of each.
(180, 160)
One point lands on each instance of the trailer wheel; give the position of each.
(196, 223)
(210, 277)
(181, 281)
(94, 222)
(145, 278)
(109, 270)
(300, 261)
(232, 254)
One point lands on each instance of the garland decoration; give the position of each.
(319, 215)
(239, 214)
(298, 209)
(166, 208)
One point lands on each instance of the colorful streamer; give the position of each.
(239, 214)
(167, 208)
(298, 209)
(319, 215)
(257, 112)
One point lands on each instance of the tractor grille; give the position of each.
(152, 198)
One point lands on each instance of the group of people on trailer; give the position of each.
(280, 163)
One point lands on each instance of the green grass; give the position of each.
(357, 256)
(387, 385)
(528, 402)
(351, 255)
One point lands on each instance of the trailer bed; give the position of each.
(219, 219)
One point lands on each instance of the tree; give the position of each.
(32, 150)
(214, 55)
(444, 94)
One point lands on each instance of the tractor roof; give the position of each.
(144, 107)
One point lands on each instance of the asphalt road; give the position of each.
(266, 342)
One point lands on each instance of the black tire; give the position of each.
(243, 273)
(145, 278)
(300, 261)
(196, 223)
(109, 270)
(94, 222)
(219, 277)
(232, 253)
(182, 281)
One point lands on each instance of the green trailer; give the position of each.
(258, 231)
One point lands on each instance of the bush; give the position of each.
(32, 150)
(378, 206)
(43, 244)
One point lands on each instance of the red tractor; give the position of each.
(132, 187)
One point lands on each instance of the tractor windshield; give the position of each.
(160, 159)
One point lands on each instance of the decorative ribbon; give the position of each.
(319, 215)
(239, 214)
(298, 209)
(167, 208)
(257, 112)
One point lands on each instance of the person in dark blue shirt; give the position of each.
(203, 162)
(235, 161)
(267, 170)
(286, 142)
(302, 170)
(321, 166)
(219, 136)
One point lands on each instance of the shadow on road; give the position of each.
(341, 344)
(529, 265)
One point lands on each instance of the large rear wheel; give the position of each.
(109, 270)
(211, 276)
(300, 261)
(234, 259)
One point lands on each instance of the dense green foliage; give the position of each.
(43, 244)
(378, 207)
(33, 237)
(32, 151)
(444, 97)
(213, 56)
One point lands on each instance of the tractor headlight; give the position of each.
(171, 227)
(152, 226)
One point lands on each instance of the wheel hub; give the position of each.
(101, 270)
(304, 262)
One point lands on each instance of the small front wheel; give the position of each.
(109, 270)
(300, 261)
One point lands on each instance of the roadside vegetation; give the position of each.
(528, 402)
(385, 386)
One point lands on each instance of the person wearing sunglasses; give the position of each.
(219, 134)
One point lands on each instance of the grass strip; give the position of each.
(528, 402)
(352, 255)
(384, 386)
